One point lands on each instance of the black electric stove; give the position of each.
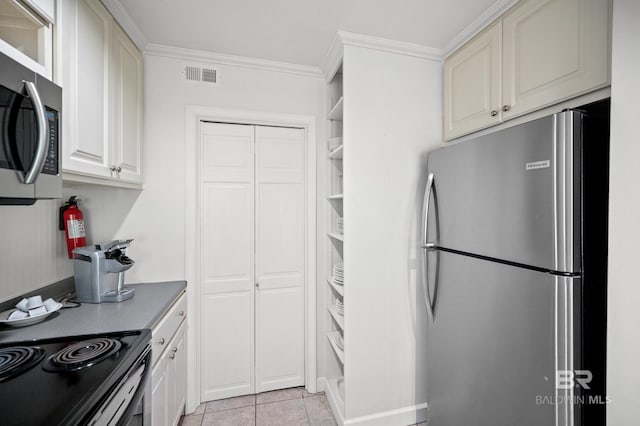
(71, 380)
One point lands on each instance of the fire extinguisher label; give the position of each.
(76, 228)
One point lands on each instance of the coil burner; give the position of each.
(18, 359)
(82, 354)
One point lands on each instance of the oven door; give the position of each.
(120, 408)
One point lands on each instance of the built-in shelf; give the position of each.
(335, 323)
(336, 154)
(334, 395)
(336, 111)
(339, 319)
(332, 339)
(336, 236)
(338, 288)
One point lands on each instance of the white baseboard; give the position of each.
(401, 417)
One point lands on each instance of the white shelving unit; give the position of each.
(335, 323)
(336, 154)
(339, 319)
(332, 336)
(337, 110)
(337, 288)
(364, 141)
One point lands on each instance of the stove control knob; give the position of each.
(161, 341)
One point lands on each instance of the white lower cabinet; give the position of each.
(168, 377)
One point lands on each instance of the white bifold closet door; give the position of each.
(252, 259)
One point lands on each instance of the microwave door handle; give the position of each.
(426, 246)
(43, 134)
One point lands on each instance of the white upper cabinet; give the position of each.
(472, 84)
(26, 33)
(539, 53)
(85, 64)
(553, 50)
(102, 97)
(44, 8)
(127, 103)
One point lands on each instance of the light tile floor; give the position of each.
(294, 406)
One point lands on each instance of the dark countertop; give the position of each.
(150, 302)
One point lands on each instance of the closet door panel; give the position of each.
(279, 338)
(227, 261)
(280, 256)
(227, 342)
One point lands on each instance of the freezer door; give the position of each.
(512, 195)
(498, 338)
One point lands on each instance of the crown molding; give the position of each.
(333, 57)
(483, 21)
(153, 49)
(392, 46)
(122, 17)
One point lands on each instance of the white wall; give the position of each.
(624, 220)
(393, 117)
(157, 220)
(33, 252)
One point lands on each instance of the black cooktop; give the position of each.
(61, 381)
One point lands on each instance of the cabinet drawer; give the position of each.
(166, 328)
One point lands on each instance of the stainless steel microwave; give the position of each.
(30, 108)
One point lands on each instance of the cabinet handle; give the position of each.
(494, 113)
(161, 341)
(175, 349)
(181, 313)
(113, 168)
(506, 108)
(172, 356)
(118, 169)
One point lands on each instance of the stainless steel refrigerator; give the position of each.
(514, 238)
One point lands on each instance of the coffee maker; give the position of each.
(99, 272)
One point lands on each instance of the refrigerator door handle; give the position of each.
(426, 245)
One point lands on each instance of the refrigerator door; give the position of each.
(512, 195)
(498, 337)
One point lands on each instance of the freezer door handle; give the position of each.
(426, 245)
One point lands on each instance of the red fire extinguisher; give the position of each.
(72, 223)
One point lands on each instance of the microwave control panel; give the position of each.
(50, 166)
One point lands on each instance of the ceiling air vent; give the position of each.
(197, 74)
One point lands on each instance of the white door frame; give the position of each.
(194, 115)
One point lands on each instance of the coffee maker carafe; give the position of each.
(99, 272)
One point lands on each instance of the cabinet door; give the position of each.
(86, 36)
(177, 376)
(280, 259)
(159, 393)
(127, 107)
(472, 85)
(553, 50)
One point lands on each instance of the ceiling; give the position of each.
(298, 31)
